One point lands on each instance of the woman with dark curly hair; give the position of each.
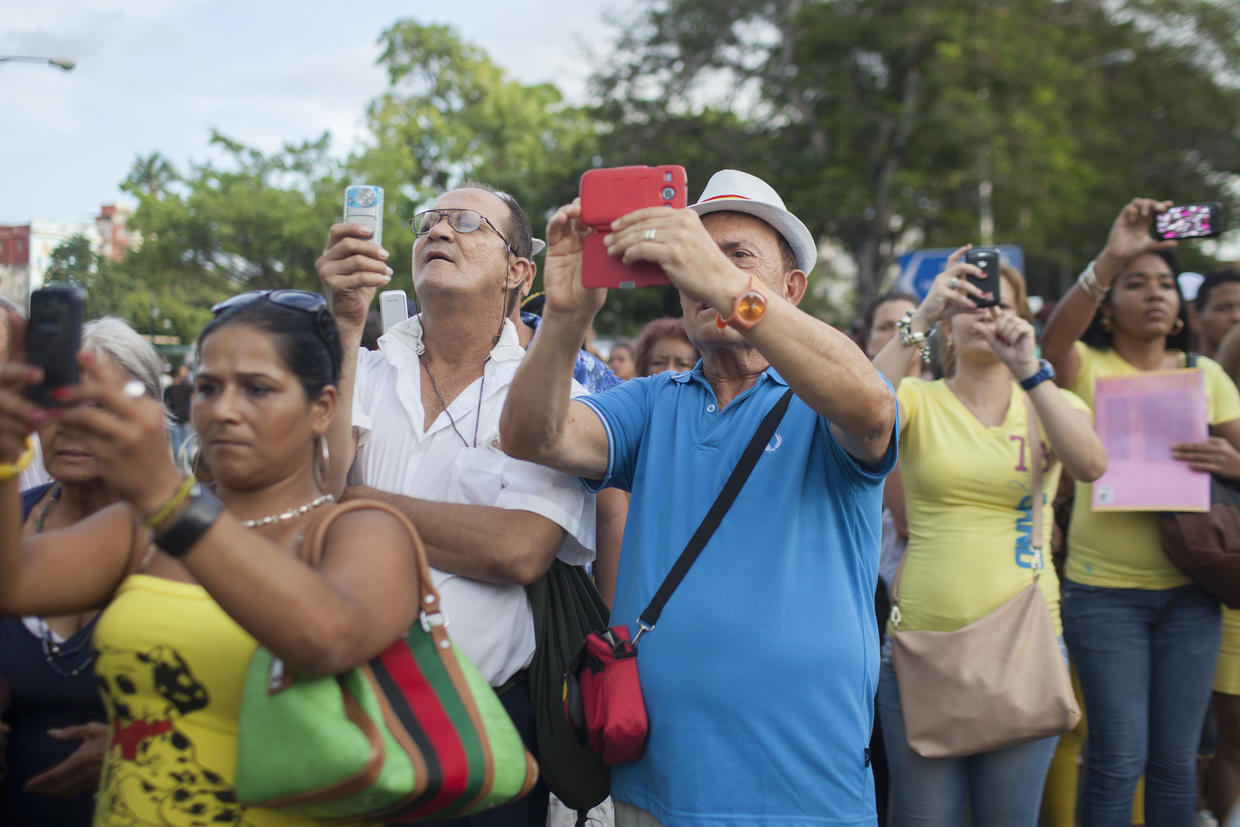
(1143, 638)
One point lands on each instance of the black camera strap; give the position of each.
(715, 516)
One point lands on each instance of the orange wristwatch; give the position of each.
(748, 308)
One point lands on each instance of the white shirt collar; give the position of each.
(409, 333)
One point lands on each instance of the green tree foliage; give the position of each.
(110, 289)
(151, 175)
(884, 123)
(253, 221)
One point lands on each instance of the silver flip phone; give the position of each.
(393, 308)
(363, 204)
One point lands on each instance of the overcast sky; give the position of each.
(158, 75)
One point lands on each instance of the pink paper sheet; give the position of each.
(1138, 418)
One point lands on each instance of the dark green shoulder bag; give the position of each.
(567, 606)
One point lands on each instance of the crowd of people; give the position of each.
(899, 493)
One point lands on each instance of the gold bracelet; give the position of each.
(9, 470)
(172, 504)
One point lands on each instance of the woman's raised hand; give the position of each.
(126, 434)
(18, 415)
(1013, 341)
(1130, 233)
(951, 292)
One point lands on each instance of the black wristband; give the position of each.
(194, 521)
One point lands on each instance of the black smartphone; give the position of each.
(987, 258)
(53, 338)
(1203, 220)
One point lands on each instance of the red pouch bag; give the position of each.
(603, 696)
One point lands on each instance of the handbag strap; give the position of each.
(723, 502)
(1033, 443)
(311, 553)
(1035, 457)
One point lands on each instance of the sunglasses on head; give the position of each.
(303, 300)
(460, 220)
(296, 299)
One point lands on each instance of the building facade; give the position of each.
(26, 250)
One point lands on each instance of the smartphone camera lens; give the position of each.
(668, 193)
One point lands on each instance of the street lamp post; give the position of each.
(62, 63)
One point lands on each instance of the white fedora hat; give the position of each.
(734, 191)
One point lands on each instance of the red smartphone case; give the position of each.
(607, 194)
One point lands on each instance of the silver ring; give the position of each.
(134, 389)
(952, 284)
(650, 235)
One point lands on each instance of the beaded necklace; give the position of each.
(290, 514)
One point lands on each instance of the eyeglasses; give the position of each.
(461, 220)
(303, 300)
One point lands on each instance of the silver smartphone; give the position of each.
(393, 308)
(363, 204)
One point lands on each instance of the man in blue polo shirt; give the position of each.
(759, 678)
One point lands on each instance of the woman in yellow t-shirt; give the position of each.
(186, 605)
(1144, 640)
(967, 473)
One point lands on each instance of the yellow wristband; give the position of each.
(9, 470)
(166, 511)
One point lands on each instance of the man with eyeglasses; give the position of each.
(423, 432)
(759, 676)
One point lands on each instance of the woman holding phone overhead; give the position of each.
(1144, 640)
(191, 577)
(968, 485)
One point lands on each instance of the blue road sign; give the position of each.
(919, 268)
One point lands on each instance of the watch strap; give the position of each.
(1044, 372)
(201, 511)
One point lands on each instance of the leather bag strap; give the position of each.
(715, 516)
(1034, 448)
(311, 550)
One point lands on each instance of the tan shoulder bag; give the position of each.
(997, 682)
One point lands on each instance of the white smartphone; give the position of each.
(363, 204)
(393, 308)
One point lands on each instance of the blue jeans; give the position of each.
(1145, 658)
(1004, 787)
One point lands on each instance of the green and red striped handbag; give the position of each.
(414, 734)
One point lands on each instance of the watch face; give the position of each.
(750, 306)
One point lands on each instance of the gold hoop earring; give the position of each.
(1177, 327)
